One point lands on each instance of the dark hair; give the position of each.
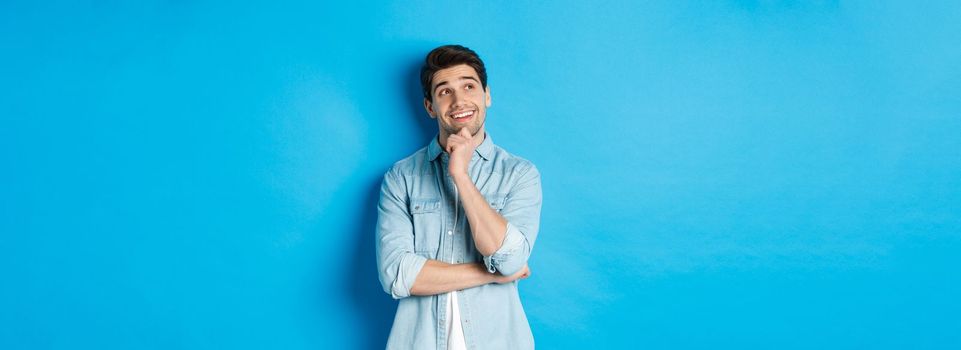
(445, 57)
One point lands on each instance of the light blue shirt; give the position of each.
(415, 222)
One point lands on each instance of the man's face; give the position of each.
(459, 100)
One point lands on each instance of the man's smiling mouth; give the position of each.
(462, 115)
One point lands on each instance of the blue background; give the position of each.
(716, 174)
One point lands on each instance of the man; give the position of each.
(457, 221)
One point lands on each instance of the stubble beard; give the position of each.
(473, 128)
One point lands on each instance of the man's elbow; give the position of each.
(512, 266)
(397, 278)
(396, 291)
(512, 259)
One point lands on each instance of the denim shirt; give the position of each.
(415, 222)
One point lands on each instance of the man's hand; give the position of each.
(522, 274)
(460, 146)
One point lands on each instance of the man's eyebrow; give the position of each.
(461, 78)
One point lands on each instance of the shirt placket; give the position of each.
(446, 244)
(473, 170)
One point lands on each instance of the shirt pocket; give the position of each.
(427, 225)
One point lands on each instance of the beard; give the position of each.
(473, 127)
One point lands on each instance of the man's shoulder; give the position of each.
(512, 162)
(411, 165)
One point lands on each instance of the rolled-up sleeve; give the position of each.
(522, 210)
(397, 264)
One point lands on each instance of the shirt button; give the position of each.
(449, 233)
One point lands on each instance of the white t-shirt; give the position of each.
(455, 332)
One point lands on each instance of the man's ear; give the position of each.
(430, 108)
(488, 95)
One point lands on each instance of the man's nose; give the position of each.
(458, 98)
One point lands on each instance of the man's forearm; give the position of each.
(487, 226)
(438, 277)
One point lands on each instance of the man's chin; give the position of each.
(473, 130)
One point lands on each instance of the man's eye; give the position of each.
(444, 92)
(469, 87)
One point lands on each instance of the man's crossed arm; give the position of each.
(438, 277)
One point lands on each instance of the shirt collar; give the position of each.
(484, 149)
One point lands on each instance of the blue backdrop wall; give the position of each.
(716, 174)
